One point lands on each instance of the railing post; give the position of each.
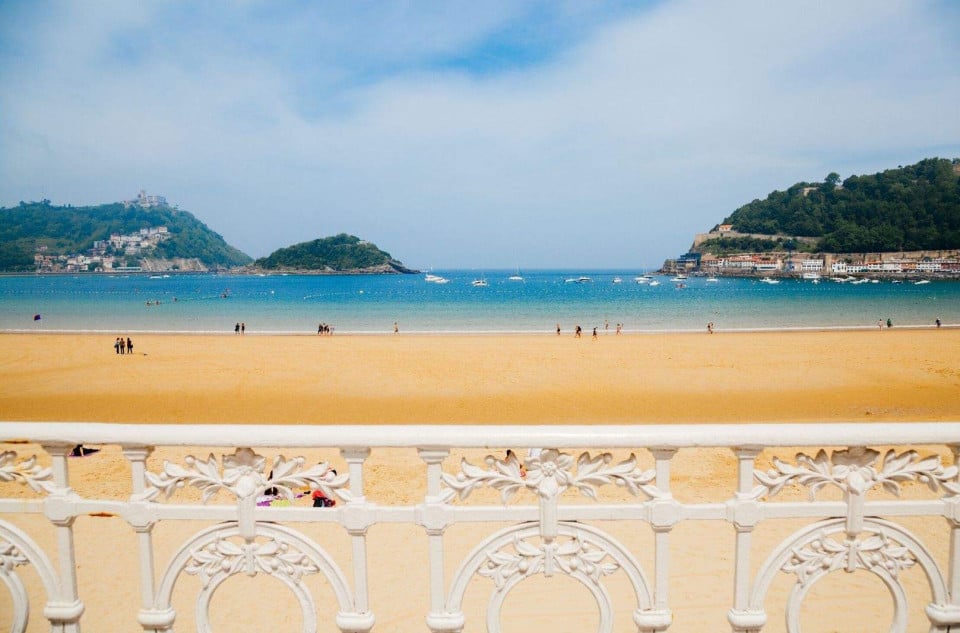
(744, 512)
(357, 520)
(664, 515)
(63, 611)
(947, 617)
(137, 513)
(433, 518)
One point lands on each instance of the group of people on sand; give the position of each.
(324, 329)
(240, 329)
(123, 346)
(578, 331)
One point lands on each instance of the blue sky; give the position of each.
(469, 134)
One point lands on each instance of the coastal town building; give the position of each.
(104, 254)
(811, 265)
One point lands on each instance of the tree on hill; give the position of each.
(909, 208)
(338, 253)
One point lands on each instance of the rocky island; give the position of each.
(341, 254)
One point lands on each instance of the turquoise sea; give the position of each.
(372, 303)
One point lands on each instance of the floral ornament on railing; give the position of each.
(855, 471)
(244, 475)
(529, 560)
(10, 557)
(825, 554)
(224, 557)
(549, 475)
(26, 472)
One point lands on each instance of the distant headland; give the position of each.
(901, 222)
(147, 234)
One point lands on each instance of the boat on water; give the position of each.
(617, 280)
(811, 276)
(921, 282)
(577, 280)
(769, 280)
(643, 279)
(712, 279)
(654, 283)
(516, 277)
(435, 279)
(479, 283)
(680, 277)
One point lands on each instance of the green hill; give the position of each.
(910, 208)
(340, 253)
(70, 230)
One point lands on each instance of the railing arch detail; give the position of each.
(579, 551)
(859, 529)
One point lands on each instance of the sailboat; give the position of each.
(516, 277)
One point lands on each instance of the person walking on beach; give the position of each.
(619, 328)
(558, 329)
(123, 346)
(116, 345)
(236, 328)
(938, 322)
(129, 345)
(396, 328)
(594, 333)
(577, 331)
(243, 329)
(710, 327)
(880, 324)
(889, 323)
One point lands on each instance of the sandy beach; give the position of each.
(848, 376)
(724, 377)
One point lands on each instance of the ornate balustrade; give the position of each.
(546, 510)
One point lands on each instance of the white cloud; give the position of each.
(611, 152)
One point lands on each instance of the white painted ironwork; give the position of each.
(860, 534)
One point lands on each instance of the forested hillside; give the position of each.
(905, 209)
(339, 253)
(68, 230)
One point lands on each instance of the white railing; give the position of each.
(860, 528)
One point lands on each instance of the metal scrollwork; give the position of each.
(26, 472)
(572, 555)
(824, 554)
(549, 475)
(856, 470)
(275, 557)
(243, 475)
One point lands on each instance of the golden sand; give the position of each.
(870, 376)
(725, 377)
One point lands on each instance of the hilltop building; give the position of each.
(145, 201)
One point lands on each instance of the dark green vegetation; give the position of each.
(340, 253)
(723, 246)
(906, 209)
(69, 230)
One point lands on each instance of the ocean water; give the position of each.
(372, 303)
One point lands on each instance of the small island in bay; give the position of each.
(340, 254)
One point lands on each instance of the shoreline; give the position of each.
(444, 333)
